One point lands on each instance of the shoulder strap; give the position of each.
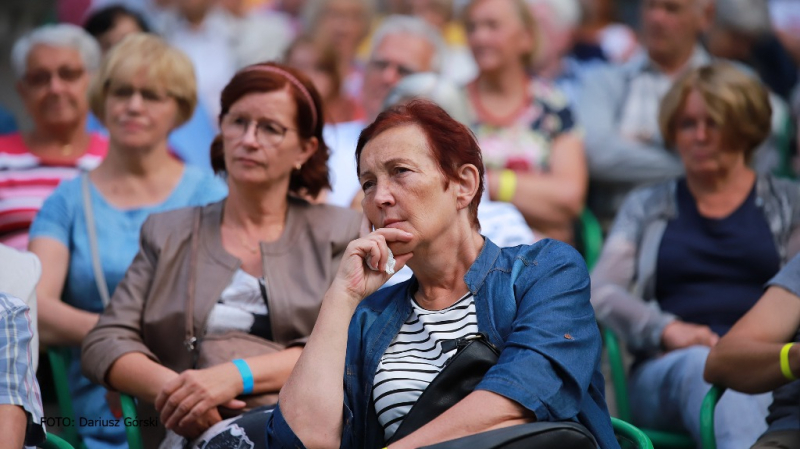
(191, 340)
(99, 276)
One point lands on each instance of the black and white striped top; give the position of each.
(415, 357)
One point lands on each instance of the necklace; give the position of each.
(246, 244)
(490, 118)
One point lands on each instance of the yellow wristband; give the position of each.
(785, 368)
(507, 186)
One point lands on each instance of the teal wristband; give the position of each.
(247, 375)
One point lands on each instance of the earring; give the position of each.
(298, 166)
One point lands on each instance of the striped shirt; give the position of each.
(415, 357)
(18, 384)
(26, 181)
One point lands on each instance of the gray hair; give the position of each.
(398, 24)
(745, 16)
(433, 87)
(60, 35)
(567, 13)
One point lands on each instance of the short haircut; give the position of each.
(313, 175)
(529, 23)
(164, 65)
(433, 87)
(567, 13)
(451, 143)
(414, 26)
(60, 35)
(736, 101)
(102, 20)
(750, 17)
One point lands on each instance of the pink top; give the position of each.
(26, 181)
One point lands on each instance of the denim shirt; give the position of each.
(543, 323)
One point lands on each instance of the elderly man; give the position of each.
(619, 106)
(401, 46)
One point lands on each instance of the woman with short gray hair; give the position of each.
(53, 65)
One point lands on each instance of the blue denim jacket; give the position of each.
(544, 325)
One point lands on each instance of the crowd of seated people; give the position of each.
(264, 219)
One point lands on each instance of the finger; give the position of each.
(234, 404)
(186, 406)
(167, 390)
(391, 235)
(196, 412)
(366, 226)
(173, 402)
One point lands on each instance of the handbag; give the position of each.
(474, 356)
(212, 350)
(97, 267)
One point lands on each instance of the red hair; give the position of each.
(450, 143)
(313, 176)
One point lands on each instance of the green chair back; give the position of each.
(55, 442)
(631, 434)
(660, 439)
(129, 413)
(590, 238)
(59, 361)
(785, 150)
(707, 416)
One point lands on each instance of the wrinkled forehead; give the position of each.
(406, 49)
(48, 56)
(405, 143)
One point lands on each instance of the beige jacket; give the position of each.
(146, 313)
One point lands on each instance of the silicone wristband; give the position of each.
(247, 375)
(785, 368)
(507, 186)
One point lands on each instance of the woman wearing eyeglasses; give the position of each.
(143, 90)
(257, 263)
(53, 65)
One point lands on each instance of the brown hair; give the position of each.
(313, 175)
(451, 143)
(737, 102)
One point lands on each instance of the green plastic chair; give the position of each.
(590, 238)
(59, 360)
(707, 417)
(785, 151)
(660, 439)
(631, 434)
(55, 442)
(132, 433)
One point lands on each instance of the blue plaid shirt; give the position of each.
(18, 384)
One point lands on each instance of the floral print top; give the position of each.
(525, 145)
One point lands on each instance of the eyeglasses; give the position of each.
(126, 92)
(381, 65)
(268, 133)
(41, 78)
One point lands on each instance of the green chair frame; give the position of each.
(132, 433)
(591, 238)
(660, 439)
(55, 442)
(631, 433)
(785, 151)
(59, 360)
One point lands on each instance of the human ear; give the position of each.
(467, 188)
(307, 149)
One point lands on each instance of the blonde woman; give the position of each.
(531, 144)
(688, 257)
(144, 89)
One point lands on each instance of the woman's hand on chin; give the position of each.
(189, 402)
(363, 267)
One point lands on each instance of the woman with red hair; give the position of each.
(253, 266)
(422, 177)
